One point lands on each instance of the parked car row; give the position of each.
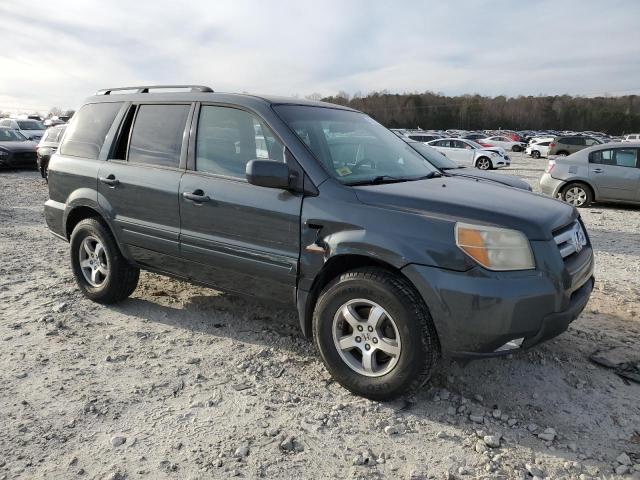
(24, 144)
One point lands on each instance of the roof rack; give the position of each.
(146, 88)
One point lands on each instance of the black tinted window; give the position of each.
(228, 138)
(157, 134)
(88, 130)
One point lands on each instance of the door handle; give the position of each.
(597, 170)
(110, 180)
(197, 196)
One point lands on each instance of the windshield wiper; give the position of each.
(379, 180)
(434, 174)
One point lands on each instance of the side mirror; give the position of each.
(268, 173)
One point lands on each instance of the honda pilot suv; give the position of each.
(320, 207)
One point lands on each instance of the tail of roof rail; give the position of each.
(146, 88)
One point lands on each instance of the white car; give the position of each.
(468, 152)
(633, 137)
(32, 129)
(537, 150)
(538, 147)
(504, 142)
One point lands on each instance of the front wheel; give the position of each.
(101, 272)
(535, 154)
(516, 148)
(577, 194)
(484, 163)
(374, 334)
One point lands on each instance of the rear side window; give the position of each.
(229, 137)
(88, 130)
(157, 134)
(603, 157)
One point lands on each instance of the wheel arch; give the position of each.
(581, 181)
(475, 163)
(333, 268)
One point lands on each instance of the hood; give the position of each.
(472, 173)
(18, 146)
(499, 150)
(481, 202)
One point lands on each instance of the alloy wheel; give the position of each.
(94, 263)
(484, 164)
(575, 196)
(366, 337)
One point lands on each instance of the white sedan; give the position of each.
(502, 141)
(468, 152)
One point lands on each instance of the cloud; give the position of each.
(60, 53)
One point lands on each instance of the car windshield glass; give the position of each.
(30, 125)
(353, 147)
(7, 135)
(433, 156)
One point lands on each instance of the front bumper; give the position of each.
(550, 186)
(477, 312)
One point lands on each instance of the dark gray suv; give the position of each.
(389, 263)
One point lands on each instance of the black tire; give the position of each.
(516, 148)
(420, 347)
(535, 154)
(571, 189)
(562, 153)
(122, 278)
(484, 163)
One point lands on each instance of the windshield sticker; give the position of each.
(343, 171)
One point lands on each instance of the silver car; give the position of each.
(602, 173)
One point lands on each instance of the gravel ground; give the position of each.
(185, 382)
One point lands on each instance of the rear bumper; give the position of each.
(550, 186)
(54, 216)
(477, 312)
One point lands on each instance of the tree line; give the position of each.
(428, 110)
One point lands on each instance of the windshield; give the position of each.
(8, 135)
(352, 146)
(433, 156)
(30, 125)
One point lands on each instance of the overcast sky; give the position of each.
(57, 53)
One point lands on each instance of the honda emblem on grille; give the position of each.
(579, 239)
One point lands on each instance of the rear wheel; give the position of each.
(375, 334)
(516, 148)
(535, 154)
(484, 163)
(562, 153)
(577, 194)
(101, 272)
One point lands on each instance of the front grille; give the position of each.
(570, 239)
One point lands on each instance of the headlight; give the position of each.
(495, 248)
(493, 154)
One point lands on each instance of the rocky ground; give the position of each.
(185, 382)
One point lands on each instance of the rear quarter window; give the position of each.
(88, 129)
